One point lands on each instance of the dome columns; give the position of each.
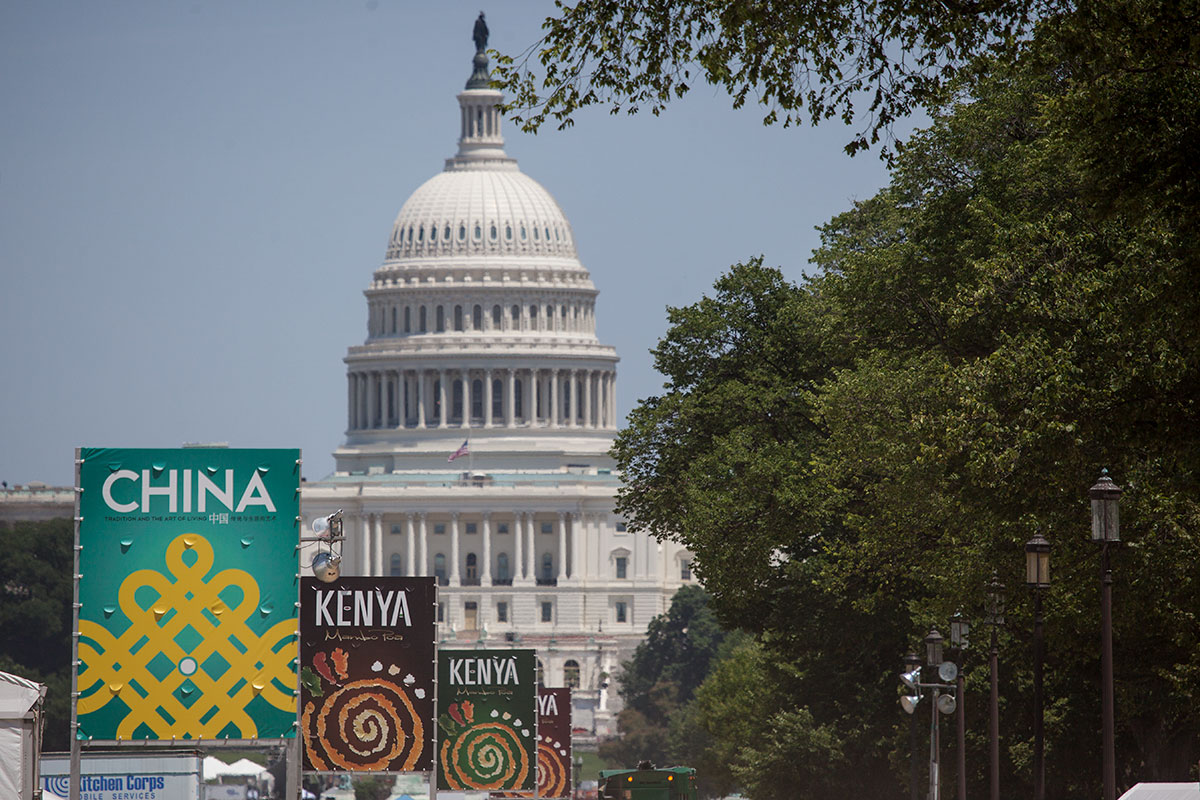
(400, 398)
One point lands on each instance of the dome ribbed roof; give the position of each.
(485, 209)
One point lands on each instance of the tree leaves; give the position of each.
(853, 456)
(798, 62)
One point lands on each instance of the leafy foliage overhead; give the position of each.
(797, 61)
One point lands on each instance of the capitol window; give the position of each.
(458, 318)
(622, 568)
(396, 566)
(508, 232)
(462, 232)
(571, 674)
(477, 318)
(424, 326)
(441, 319)
(492, 233)
(478, 232)
(446, 232)
(522, 233)
(497, 317)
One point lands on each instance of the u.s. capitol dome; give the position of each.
(481, 407)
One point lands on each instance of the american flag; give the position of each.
(462, 451)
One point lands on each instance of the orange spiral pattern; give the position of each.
(367, 725)
(553, 774)
(486, 756)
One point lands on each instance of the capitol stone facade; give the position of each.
(481, 328)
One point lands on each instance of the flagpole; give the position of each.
(470, 455)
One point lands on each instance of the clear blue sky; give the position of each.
(193, 196)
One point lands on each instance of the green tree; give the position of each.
(374, 787)
(35, 615)
(678, 649)
(798, 61)
(663, 674)
(851, 457)
(725, 716)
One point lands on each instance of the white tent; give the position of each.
(214, 768)
(20, 734)
(1163, 791)
(245, 766)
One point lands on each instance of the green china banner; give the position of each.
(487, 719)
(187, 590)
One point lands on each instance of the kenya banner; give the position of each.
(554, 743)
(553, 747)
(487, 719)
(187, 592)
(368, 662)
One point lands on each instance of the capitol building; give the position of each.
(480, 410)
(481, 345)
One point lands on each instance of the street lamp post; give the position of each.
(1106, 530)
(959, 630)
(1037, 576)
(943, 673)
(933, 657)
(995, 618)
(912, 667)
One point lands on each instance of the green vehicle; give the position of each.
(648, 783)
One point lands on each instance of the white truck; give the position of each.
(174, 775)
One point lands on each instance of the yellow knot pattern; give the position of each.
(187, 702)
